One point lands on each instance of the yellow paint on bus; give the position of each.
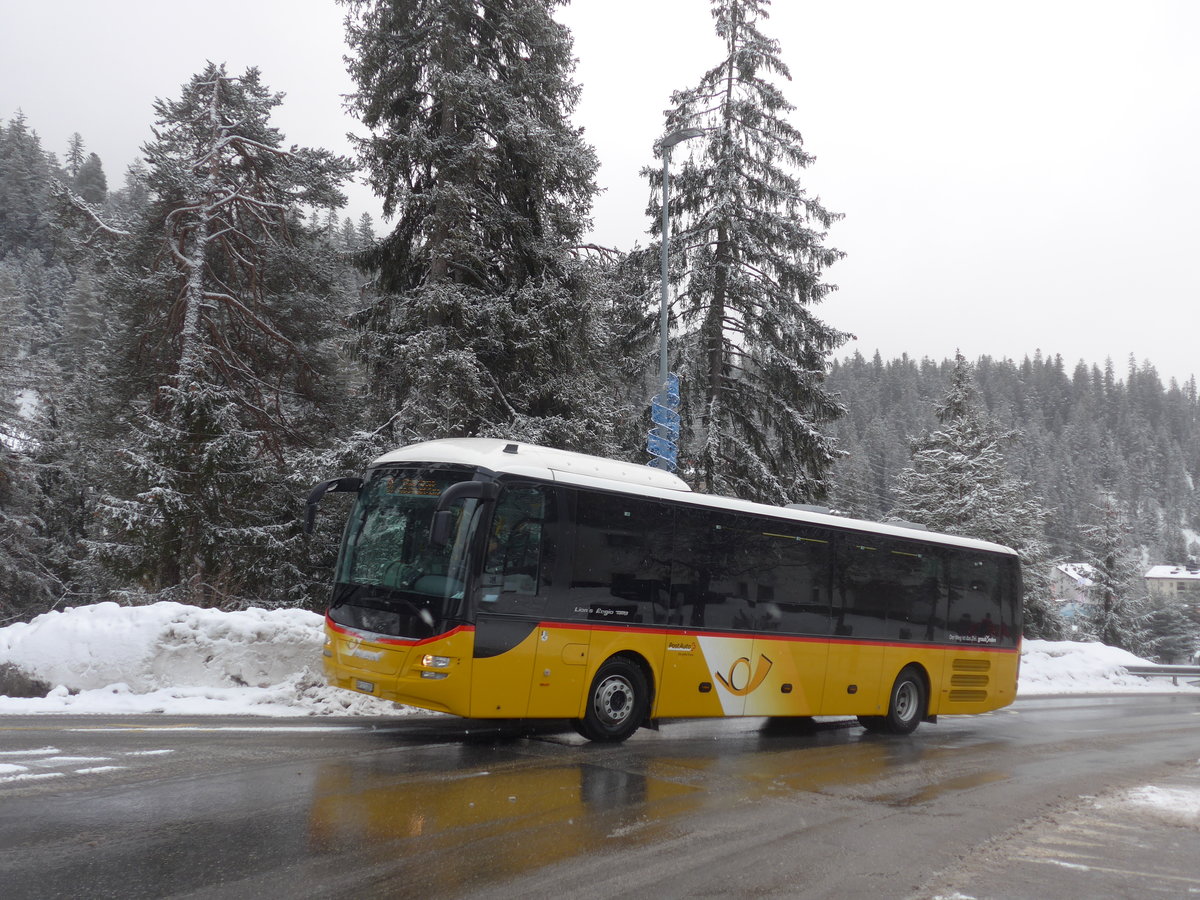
(691, 674)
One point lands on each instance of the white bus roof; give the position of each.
(516, 458)
(564, 466)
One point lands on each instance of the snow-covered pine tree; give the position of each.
(66, 427)
(484, 322)
(90, 182)
(24, 190)
(27, 585)
(753, 241)
(1170, 634)
(224, 366)
(366, 230)
(957, 482)
(1117, 594)
(75, 154)
(131, 199)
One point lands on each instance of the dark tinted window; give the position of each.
(889, 589)
(984, 598)
(739, 573)
(622, 559)
(519, 561)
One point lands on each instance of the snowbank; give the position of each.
(182, 660)
(1078, 667)
(177, 659)
(1074, 667)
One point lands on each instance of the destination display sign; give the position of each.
(414, 487)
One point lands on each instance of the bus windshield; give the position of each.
(390, 580)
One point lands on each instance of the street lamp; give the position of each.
(664, 409)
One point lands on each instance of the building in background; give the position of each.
(1069, 585)
(1174, 582)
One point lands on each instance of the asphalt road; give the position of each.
(1021, 803)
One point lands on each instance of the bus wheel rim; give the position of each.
(906, 701)
(614, 699)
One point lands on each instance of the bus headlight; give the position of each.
(430, 661)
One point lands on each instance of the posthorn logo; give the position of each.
(739, 681)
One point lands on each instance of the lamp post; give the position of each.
(664, 409)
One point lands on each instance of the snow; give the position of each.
(174, 659)
(1177, 573)
(178, 660)
(1173, 805)
(1076, 667)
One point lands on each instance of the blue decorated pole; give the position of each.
(663, 441)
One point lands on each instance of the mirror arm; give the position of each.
(341, 485)
(439, 528)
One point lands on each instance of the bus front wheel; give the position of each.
(906, 706)
(617, 702)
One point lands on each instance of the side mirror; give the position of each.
(439, 528)
(443, 517)
(344, 485)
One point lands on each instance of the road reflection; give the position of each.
(514, 814)
(454, 816)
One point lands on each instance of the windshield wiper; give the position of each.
(382, 602)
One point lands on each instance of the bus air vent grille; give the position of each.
(969, 681)
(972, 665)
(965, 696)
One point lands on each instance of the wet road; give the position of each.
(1014, 804)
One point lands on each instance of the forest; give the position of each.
(184, 352)
(1077, 435)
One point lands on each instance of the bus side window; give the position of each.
(710, 571)
(978, 613)
(517, 566)
(915, 600)
(863, 587)
(1011, 604)
(621, 563)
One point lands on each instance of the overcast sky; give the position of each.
(1014, 176)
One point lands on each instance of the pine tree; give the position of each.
(89, 182)
(957, 482)
(366, 230)
(1117, 594)
(24, 190)
(65, 430)
(131, 199)
(347, 236)
(753, 244)
(226, 312)
(75, 154)
(1170, 634)
(26, 583)
(485, 322)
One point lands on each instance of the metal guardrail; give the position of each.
(1172, 672)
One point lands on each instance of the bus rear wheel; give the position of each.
(906, 707)
(617, 702)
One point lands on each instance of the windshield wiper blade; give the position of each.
(384, 602)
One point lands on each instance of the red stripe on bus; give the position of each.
(379, 639)
(745, 635)
(668, 632)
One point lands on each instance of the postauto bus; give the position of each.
(493, 579)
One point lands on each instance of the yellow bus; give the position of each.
(492, 579)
